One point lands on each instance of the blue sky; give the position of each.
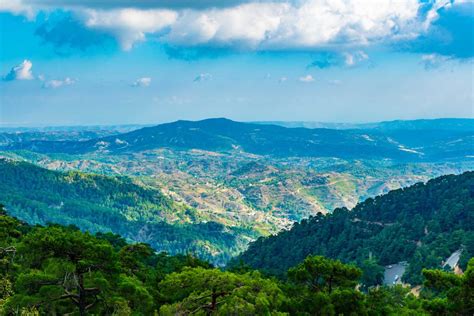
(111, 62)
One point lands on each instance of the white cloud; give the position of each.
(432, 61)
(335, 82)
(306, 79)
(142, 82)
(128, 25)
(246, 25)
(23, 72)
(352, 59)
(310, 23)
(282, 79)
(203, 77)
(258, 25)
(145, 4)
(56, 83)
(17, 7)
(20, 72)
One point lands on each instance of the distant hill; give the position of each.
(261, 139)
(422, 224)
(11, 136)
(452, 124)
(116, 204)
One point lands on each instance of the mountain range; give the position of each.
(407, 141)
(211, 187)
(459, 124)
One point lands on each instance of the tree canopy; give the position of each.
(59, 270)
(422, 224)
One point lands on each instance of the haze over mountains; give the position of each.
(461, 124)
(422, 140)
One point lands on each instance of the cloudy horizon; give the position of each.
(118, 62)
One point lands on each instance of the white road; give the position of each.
(453, 260)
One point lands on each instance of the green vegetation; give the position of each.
(131, 219)
(260, 194)
(146, 213)
(212, 187)
(450, 294)
(110, 204)
(422, 224)
(60, 270)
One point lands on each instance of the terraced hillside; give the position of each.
(240, 176)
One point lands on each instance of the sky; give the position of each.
(92, 62)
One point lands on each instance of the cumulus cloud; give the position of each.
(128, 25)
(23, 72)
(142, 82)
(248, 26)
(17, 7)
(144, 4)
(340, 26)
(56, 83)
(306, 79)
(67, 33)
(203, 77)
(20, 72)
(449, 32)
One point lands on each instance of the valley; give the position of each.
(246, 193)
(249, 157)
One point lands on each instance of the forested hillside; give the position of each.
(57, 270)
(112, 204)
(422, 224)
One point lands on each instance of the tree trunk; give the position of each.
(330, 284)
(213, 300)
(82, 296)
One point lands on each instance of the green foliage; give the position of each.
(63, 268)
(322, 274)
(204, 291)
(59, 270)
(329, 285)
(422, 224)
(394, 300)
(455, 293)
(97, 203)
(372, 273)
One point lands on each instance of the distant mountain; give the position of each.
(116, 204)
(224, 135)
(422, 224)
(16, 135)
(452, 124)
(310, 124)
(119, 128)
(446, 124)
